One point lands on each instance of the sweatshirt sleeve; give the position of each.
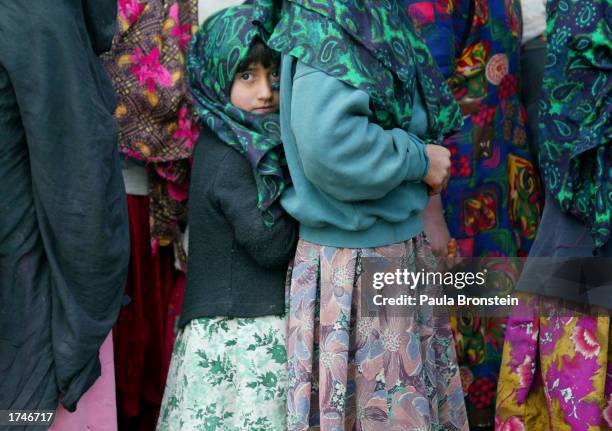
(342, 152)
(236, 194)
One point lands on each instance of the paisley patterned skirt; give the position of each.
(352, 372)
(228, 374)
(556, 370)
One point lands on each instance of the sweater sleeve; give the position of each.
(342, 152)
(236, 195)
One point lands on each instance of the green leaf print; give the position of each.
(179, 346)
(278, 353)
(269, 338)
(245, 322)
(266, 340)
(217, 366)
(224, 325)
(206, 323)
(173, 403)
(204, 362)
(212, 327)
(269, 379)
(261, 424)
(212, 371)
(220, 370)
(212, 423)
(270, 394)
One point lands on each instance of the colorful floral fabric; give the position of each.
(154, 111)
(494, 199)
(576, 112)
(219, 46)
(228, 374)
(370, 45)
(352, 371)
(557, 370)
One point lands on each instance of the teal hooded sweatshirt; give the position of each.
(354, 184)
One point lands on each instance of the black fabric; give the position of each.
(561, 262)
(101, 21)
(533, 61)
(64, 239)
(236, 266)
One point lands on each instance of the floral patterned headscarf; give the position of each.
(219, 46)
(370, 45)
(154, 110)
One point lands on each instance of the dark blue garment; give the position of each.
(575, 121)
(562, 264)
(64, 239)
(533, 60)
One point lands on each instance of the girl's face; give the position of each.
(256, 89)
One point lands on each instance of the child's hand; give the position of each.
(435, 227)
(452, 247)
(439, 168)
(452, 258)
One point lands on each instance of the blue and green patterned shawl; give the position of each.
(218, 48)
(370, 45)
(576, 112)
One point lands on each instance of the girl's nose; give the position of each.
(265, 89)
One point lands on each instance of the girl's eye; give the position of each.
(275, 75)
(246, 76)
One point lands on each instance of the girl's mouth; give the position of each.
(265, 109)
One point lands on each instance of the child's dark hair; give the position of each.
(260, 53)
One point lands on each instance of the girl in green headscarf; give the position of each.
(228, 369)
(362, 106)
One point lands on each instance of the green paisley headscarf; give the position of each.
(370, 45)
(576, 112)
(218, 48)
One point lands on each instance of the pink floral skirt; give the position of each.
(556, 370)
(354, 372)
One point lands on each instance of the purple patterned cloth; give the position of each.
(348, 371)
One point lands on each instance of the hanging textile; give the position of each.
(154, 111)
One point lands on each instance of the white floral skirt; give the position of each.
(228, 374)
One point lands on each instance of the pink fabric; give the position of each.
(97, 409)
